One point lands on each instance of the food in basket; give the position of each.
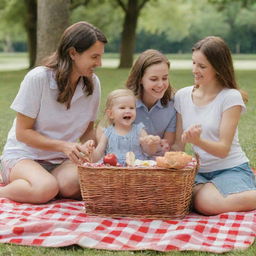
(130, 158)
(110, 159)
(100, 165)
(175, 160)
(144, 163)
(132, 161)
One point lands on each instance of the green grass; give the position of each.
(111, 79)
(108, 55)
(6, 58)
(183, 56)
(15, 55)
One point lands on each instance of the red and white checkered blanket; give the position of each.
(63, 223)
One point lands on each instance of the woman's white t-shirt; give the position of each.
(37, 98)
(209, 116)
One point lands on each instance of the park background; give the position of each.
(30, 29)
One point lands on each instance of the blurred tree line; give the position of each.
(130, 25)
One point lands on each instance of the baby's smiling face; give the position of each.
(123, 111)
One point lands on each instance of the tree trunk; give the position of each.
(53, 18)
(129, 34)
(237, 48)
(7, 44)
(132, 10)
(30, 26)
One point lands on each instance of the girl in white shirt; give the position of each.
(208, 116)
(56, 108)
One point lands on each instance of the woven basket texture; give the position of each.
(156, 193)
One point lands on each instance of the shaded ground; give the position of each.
(175, 64)
(187, 64)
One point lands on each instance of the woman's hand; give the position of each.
(78, 153)
(192, 135)
(25, 133)
(73, 151)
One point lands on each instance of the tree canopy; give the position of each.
(136, 25)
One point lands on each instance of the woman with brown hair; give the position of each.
(149, 80)
(56, 106)
(208, 116)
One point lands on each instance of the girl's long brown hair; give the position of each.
(219, 56)
(146, 59)
(81, 36)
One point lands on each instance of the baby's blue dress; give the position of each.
(121, 144)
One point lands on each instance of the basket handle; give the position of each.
(197, 161)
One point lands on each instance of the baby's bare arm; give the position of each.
(92, 153)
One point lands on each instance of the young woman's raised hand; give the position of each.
(192, 135)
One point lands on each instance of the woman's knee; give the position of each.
(245, 201)
(68, 180)
(203, 205)
(45, 191)
(40, 186)
(70, 189)
(207, 201)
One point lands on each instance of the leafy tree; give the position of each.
(242, 28)
(222, 4)
(182, 22)
(245, 29)
(17, 17)
(9, 30)
(30, 24)
(132, 9)
(53, 18)
(207, 21)
(173, 18)
(124, 23)
(171, 26)
(111, 25)
(240, 16)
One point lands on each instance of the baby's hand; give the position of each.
(150, 143)
(87, 150)
(150, 140)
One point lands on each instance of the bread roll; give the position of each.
(162, 162)
(175, 160)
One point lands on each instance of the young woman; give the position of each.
(56, 106)
(149, 80)
(122, 135)
(208, 116)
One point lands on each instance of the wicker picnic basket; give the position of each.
(135, 192)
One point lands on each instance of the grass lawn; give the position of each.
(20, 59)
(111, 79)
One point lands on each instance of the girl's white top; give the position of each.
(37, 98)
(209, 116)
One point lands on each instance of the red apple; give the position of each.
(110, 159)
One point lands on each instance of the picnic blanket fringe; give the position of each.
(63, 223)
